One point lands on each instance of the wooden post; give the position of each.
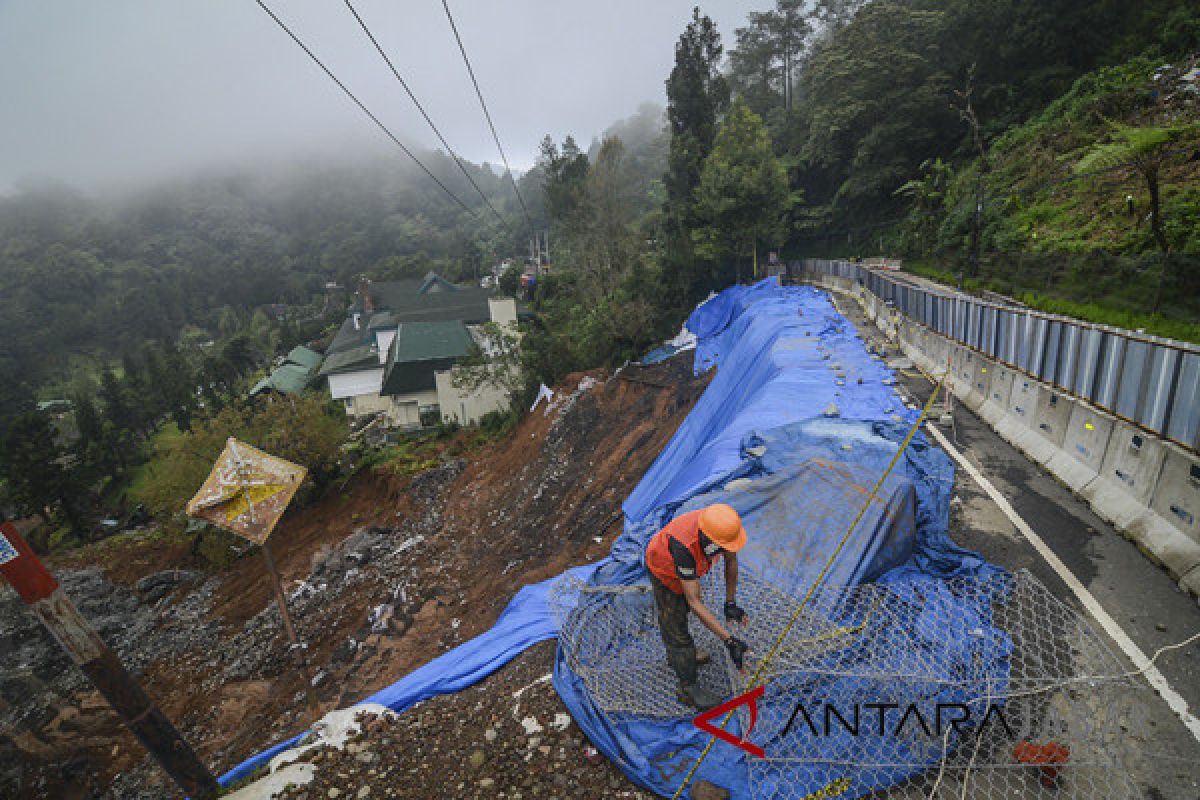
(297, 648)
(38, 589)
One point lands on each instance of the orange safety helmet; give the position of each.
(722, 524)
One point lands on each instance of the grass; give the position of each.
(1051, 301)
(142, 476)
(1072, 245)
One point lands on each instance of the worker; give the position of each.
(677, 557)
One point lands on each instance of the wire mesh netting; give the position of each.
(981, 688)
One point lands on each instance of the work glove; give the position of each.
(737, 650)
(734, 613)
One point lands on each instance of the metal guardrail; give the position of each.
(1148, 380)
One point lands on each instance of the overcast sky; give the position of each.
(96, 92)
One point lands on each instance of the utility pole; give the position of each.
(50, 604)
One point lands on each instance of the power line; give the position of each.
(420, 108)
(486, 113)
(362, 107)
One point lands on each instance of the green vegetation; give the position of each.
(743, 192)
(1155, 324)
(305, 430)
(1040, 150)
(1066, 123)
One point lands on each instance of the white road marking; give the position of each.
(1157, 680)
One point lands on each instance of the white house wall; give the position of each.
(354, 384)
(464, 406)
(503, 310)
(383, 343)
(404, 410)
(365, 404)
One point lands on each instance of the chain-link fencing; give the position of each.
(912, 687)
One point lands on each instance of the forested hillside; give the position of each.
(896, 119)
(98, 277)
(1045, 150)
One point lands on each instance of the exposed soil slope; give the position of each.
(383, 576)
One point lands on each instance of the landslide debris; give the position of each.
(382, 575)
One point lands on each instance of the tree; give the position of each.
(928, 194)
(697, 94)
(875, 108)
(836, 14)
(35, 471)
(304, 430)
(753, 73)
(494, 361)
(791, 27)
(120, 422)
(604, 244)
(1145, 148)
(743, 193)
(564, 172)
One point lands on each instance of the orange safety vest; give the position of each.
(684, 529)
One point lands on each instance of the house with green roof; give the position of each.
(398, 337)
(298, 371)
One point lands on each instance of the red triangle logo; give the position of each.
(703, 721)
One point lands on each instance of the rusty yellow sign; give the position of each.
(247, 491)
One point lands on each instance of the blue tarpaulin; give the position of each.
(796, 398)
(786, 358)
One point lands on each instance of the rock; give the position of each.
(490, 735)
(476, 759)
(531, 726)
(703, 790)
(334, 792)
(832, 410)
(155, 587)
(1160, 627)
(364, 792)
(487, 783)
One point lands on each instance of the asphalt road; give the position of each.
(1138, 595)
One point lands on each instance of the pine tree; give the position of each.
(697, 95)
(743, 192)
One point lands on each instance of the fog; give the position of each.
(112, 94)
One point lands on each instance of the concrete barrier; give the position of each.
(1050, 424)
(1147, 487)
(1169, 531)
(1081, 458)
(1016, 425)
(1132, 462)
(975, 374)
(1177, 492)
(999, 388)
